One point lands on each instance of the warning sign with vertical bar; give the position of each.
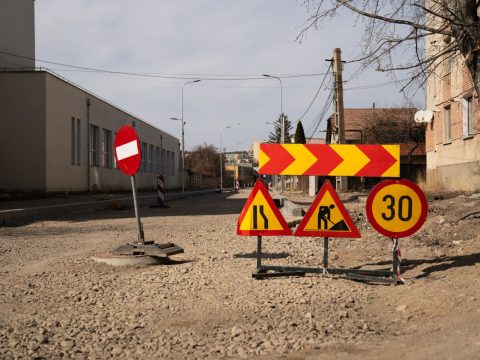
(327, 217)
(260, 215)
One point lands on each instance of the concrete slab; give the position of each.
(291, 209)
(129, 260)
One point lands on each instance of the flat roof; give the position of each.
(71, 83)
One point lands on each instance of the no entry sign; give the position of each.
(127, 150)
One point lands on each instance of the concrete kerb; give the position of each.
(28, 213)
(292, 209)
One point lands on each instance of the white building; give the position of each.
(17, 34)
(55, 136)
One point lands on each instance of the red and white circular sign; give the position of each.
(127, 150)
(397, 208)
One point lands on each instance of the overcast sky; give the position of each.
(194, 39)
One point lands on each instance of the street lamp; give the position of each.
(183, 136)
(221, 157)
(282, 120)
(236, 175)
(183, 151)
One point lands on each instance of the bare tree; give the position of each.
(204, 160)
(452, 27)
(394, 126)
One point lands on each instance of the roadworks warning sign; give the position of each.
(327, 217)
(260, 215)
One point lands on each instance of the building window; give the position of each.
(75, 141)
(94, 146)
(173, 163)
(106, 148)
(447, 126)
(79, 146)
(163, 162)
(157, 163)
(144, 157)
(150, 158)
(467, 116)
(115, 165)
(168, 166)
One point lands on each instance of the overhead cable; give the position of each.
(316, 94)
(218, 77)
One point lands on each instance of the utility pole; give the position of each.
(341, 183)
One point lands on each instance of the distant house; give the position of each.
(384, 126)
(239, 165)
(453, 135)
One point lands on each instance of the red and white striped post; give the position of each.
(161, 190)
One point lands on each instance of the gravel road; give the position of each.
(56, 302)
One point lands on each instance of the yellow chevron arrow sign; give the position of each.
(330, 159)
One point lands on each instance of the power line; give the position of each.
(316, 94)
(323, 113)
(371, 86)
(213, 77)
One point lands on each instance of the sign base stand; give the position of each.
(148, 248)
(142, 247)
(391, 277)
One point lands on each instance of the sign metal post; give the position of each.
(395, 263)
(140, 236)
(325, 252)
(128, 155)
(259, 252)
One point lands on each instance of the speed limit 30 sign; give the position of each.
(396, 208)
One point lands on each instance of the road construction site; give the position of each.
(56, 301)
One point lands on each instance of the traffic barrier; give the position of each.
(161, 190)
(395, 208)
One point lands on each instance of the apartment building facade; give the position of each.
(452, 136)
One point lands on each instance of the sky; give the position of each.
(219, 42)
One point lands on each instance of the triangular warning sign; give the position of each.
(327, 217)
(260, 215)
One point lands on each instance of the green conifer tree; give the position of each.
(299, 137)
(276, 135)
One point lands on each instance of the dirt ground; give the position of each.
(56, 302)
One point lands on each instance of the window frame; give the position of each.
(447, 124)
(106, 148)
(143, 167)
(73, 141)
(468, 116)
(94, 144)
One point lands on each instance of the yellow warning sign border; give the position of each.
(353, 233)
(285, 228)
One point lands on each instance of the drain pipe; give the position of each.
(89, 103)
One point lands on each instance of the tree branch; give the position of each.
(391, 20)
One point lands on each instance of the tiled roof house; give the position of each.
(385, 126)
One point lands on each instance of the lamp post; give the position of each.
(183, 136)
(221, 157)
(236, 175)
(282, 120)
(183, 152)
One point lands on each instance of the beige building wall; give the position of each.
(50, 118)
(453, 152)
(22, 132)
(17, 33)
